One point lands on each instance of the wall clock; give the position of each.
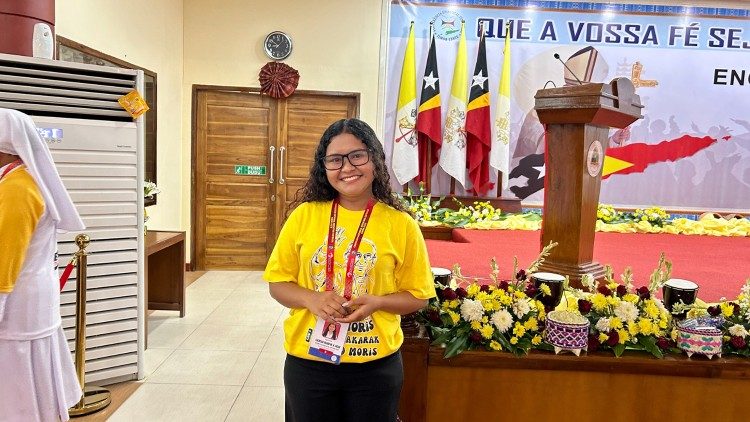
(278, 45)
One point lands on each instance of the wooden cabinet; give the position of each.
(165, 271)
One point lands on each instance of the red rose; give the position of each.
(531, 290)
(449, 294)
(434, 316)
(548, 308)
(643, 293)
(735, 308)
(503, 285)
(604, 290)
(475, 336)
(613, 339)
(621, 290)
(521, 275)
(461, 292)
(584, 306)
(663, 343)
(593, 343)
(485, 288)
(737, 342)
(714, 310)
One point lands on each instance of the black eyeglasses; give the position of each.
(356, 158)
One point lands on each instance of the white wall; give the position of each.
(148, 34)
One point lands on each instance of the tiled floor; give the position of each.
(222, 362)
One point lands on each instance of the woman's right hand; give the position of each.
(327, 305)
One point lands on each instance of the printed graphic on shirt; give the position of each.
(360, 340)
(367, 256)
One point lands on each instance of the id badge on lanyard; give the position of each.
(328, 337)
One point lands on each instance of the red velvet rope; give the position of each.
(66, 274)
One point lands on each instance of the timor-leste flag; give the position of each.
(478, 132)
(429, 123)
(405, 158)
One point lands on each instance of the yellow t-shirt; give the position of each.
(392, 257)
(21, 207)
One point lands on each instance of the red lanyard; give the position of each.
(10, 167)
(348, 281)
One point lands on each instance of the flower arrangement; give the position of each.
(478, 212)
(421, 207)
(150, 189)
(623, 317)
(731, 317)
(607, 214)
(500, 315)
(654, 215)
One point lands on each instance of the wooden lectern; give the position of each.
(577, 120)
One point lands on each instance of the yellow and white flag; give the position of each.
(453, 151)
(500, 146)
(405, 158)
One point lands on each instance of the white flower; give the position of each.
(737, 330)
(472, 310)
(626, 311)
(503, 320)
(603, 325)
(521, 308)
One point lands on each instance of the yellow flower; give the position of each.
(536, 340)
(630, 297)
(613, 300)
(624, 336)
(662, 324)
(485, 319)
(674, 334)
(514, 340)
(519, 294)
(603, 337)
(599, 302)
(454, 316)
(531, 324)
(519, 330)
(542, 315)
(494, 345)
(473, 289)
(487, 331)
(476, 325)
(545, 290)
(615, 323)
(645, 326)
(727, 310)
(651, 309)
(612, 286)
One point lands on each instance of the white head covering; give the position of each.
(18, 136)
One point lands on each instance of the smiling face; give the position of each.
(353, 183)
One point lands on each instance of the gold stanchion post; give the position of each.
(94, 398)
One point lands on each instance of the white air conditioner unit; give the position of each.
(98, 151)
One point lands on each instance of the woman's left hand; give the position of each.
(363, 307)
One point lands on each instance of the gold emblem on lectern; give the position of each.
(595, 158)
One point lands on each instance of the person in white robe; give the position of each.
(37, 379)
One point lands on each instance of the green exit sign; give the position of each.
(250, 170)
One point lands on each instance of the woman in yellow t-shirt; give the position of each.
(347, 205)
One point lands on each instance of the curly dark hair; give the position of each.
(318, 188)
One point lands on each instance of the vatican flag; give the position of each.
(500, 152)
(405, 158)
(453, 151)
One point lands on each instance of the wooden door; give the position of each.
(236, 218)
(306, 117)
(233, 217)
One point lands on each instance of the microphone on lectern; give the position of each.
(557, 56)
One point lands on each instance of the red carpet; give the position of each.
(719, 265)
